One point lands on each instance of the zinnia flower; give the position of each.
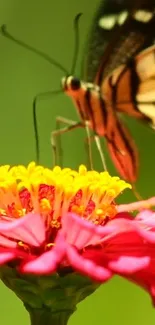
(45, 217)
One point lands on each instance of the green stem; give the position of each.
(45, 316)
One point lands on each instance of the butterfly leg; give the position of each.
(89, 147)
(57, 146)
(70, 125)
(88, 141)
(98, 145)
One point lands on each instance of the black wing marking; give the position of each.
(106, 49)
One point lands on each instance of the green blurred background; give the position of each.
(47, 25)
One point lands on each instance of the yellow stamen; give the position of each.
(78, 209)
(23, 246)
(49, 245)
(45, 205)
(55, 224)
(53, 193)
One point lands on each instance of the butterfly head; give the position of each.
(71, 85)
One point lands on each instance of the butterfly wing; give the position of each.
(120, 29)
(123, 150)
(145, 97)
(131, 88)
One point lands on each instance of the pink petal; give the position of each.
(81, 233)
(148, 235)
(133, 228)
(29, 229)
(47, 262)
(129, 264)
(87, 267)
(118, 226)
(147, 216)
(4, 241)
(6, 257)
(145, 223)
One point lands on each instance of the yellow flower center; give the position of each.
(53, 193)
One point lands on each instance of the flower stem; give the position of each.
(45, 316)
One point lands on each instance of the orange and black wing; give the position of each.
(123, 150)
(130, 89)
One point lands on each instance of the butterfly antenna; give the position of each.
(76, 47)
(41, 96)
(5, 33)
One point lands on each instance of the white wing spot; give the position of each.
(143, 16)
(107, 22)
(122, 17)
(110, 21)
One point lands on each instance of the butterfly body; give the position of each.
(100, 115)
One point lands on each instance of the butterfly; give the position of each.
(118, 76)
(120, 60)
